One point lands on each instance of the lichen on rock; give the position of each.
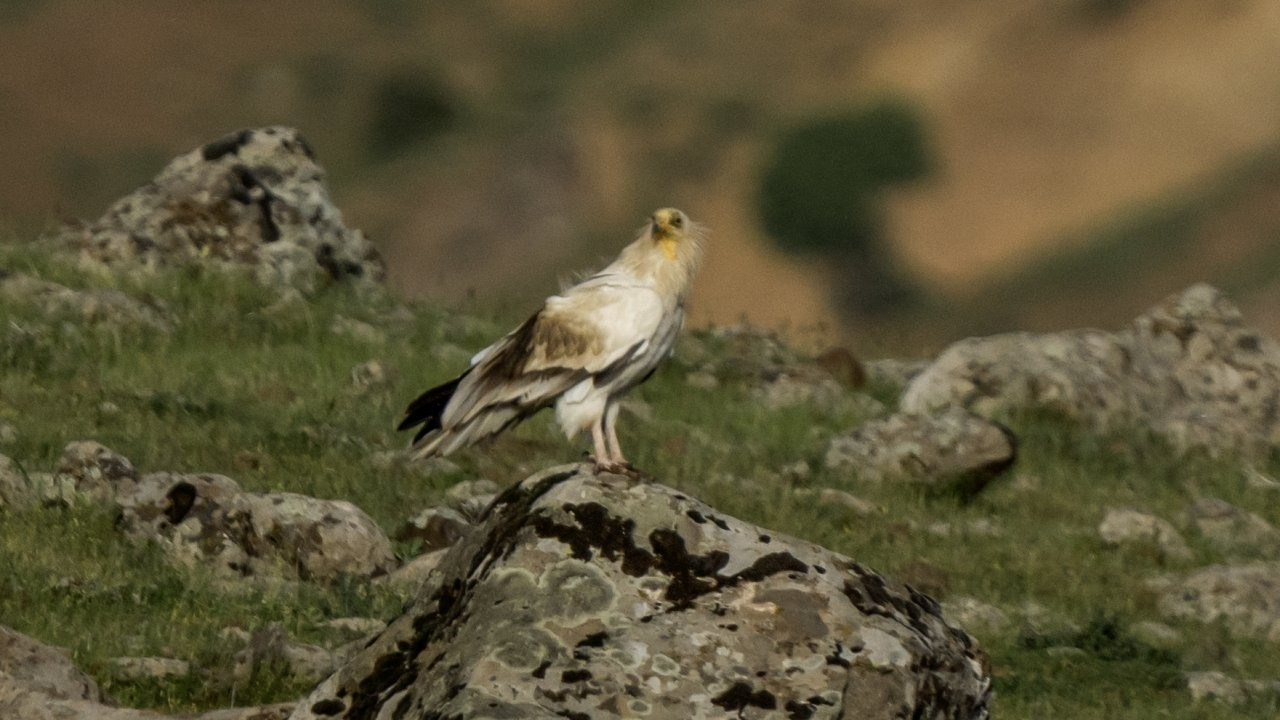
(255, 198)
(595, 595)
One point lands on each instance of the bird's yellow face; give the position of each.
(668, 228)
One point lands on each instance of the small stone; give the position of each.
(970, 613)
(437, 527)
(846, 501)
(702, 379)
(474, 507)
(1214, 685)
(1230, 528)
(1156, 634)
(841, 363)
(357, 330)
(423, 467)
(148, 668)
(14, 490)
(410, 576)
(467, 489)
(368, 374)
(355, 626)
(1125, 527)
(270, 646)
(797, 471)
(1259, 480)
(235, 634)
(789, 390)
(53, 491)
(8, 433)
(92, 471)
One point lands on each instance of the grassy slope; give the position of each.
(266, 397)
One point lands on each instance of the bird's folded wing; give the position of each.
(586, 331)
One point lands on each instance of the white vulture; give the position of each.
(582, 351)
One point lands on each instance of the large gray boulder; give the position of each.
(584, 595)
(256, 197)
(207, 519)
(42, 668)
(21, 701)
(59, 302)
(1189, 369)
(951, 449)
(15, 491)
(88, 470)
(1246, 598)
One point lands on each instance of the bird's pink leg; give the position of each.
(611, 434)
(597, 439)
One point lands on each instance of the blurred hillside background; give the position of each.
(894, 173)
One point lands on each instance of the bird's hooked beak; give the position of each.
(665, 227)
(666, 222)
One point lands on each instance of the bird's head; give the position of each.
(669, 228)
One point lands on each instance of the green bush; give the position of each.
(409, 107)
(820, 188)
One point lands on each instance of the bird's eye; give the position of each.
(677, 221)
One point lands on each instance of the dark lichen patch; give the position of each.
(397, 670)
(772, 564)
(719, 522)
(328, 707)
(593, 640)
(696, 516)
(572, 715)
(686, 569)
(798, 710)
(226, 145)
(575, 676)
(597, 529)
(540, 672)
(837, 657)
(741, 696)
(804, 709)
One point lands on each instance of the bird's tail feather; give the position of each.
(427, 409)
(443, 441)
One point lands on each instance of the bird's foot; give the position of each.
(617, 467)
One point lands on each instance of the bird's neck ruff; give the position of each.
(669, 262)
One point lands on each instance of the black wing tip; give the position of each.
(427, 408)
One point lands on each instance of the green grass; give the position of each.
(262, 392)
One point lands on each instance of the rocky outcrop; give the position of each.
(777, 375)
(22, 702)
(256, 198)
(89, 306)
(1131, 527)
(90, 472)
(951, 449)
(208, 519)
(1232, 529)
(1189, 369)
(42, 668)
(1214, 685)
(1245, 597)
(14, 488)
(584, 595)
